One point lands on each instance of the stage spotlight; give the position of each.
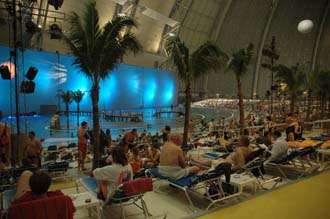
(5, 74)
(56, 3)
(55, 31)
(31, 27)
(27, 87)
(31, 74)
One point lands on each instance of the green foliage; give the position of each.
(78, 95)
(293, 76)
(191, 66)
(66, 96)
(240, 60)
(98, 50)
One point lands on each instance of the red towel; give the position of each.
(137, 186)
(57, 206)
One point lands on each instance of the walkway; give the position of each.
(306, 199)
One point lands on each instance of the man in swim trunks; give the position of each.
(82, 145)
(172, 162)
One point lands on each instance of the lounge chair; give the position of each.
(197, 183)
(129, 193)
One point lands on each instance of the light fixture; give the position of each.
(31, 27)
(31, 74)
(5, 73)
(55, 31)
(27, 87)
(56, 3)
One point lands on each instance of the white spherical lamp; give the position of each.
(305, 26)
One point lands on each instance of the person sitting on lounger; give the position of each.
(109, 177)
(172, 162)
(279, 148)
(34, 186)
(237, 158)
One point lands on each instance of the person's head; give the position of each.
(268, 118)
(276, 134)
(124, 144)
(243, 141)
(136, 151)
(119, 156)
(134, 131)
(167, 128)
(107, 131)
(155, 146)
(176, 138)
(83, 124)
(32, 134)
(40, 182)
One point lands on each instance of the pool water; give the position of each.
(40, 124)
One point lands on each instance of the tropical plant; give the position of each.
(294, 78)
(238, 63)
(97, 51)
(66, 97)
(322, 90)
(190, 67)
(311, 84)
(77, 97)
(271, 56)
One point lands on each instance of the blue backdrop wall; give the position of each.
(127, 87)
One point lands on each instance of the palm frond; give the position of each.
(240, 60)
(178, 55)
(293, 76)
(66, 96)
(206, 58)
(78, 95)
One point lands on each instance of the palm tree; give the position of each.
(270, 56)
(322, 90)
(77, 97)
(294, 78)
(97, 51)
(191, 66)
(310, 86)
(238, 63)
(67, 99)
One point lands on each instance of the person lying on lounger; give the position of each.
(237, 158)
(172, 162)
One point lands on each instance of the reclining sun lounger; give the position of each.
(198, 183)
(129, 193)
(294, 161)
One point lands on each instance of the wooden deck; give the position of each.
(123, 117)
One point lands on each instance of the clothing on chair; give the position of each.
(55, 206)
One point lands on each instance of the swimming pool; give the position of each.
(40, 124)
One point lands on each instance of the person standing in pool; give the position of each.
(82, 145)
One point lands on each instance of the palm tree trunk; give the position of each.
(240, 104)
(309, 105)
(322, 106)
(187, 114)
(96, 125)
(78, 113)
(67, 115)
(292, 103)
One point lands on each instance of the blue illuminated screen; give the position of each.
(128, 87)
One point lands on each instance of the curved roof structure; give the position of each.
(230, 23)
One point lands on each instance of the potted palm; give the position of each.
(238, 63)
(190, 67)
(66, 97)
(77, 97)
(97, 51)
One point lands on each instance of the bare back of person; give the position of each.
(171, 155)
